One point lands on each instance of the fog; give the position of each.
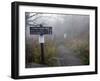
(69, 40)
(69, 25)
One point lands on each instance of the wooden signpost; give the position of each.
(41, 31)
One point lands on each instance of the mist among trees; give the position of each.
(67, 46)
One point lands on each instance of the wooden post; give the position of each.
(42, 53)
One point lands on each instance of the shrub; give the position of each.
(50, 51)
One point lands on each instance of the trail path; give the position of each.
(68, 58)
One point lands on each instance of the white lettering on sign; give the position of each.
(41, 38)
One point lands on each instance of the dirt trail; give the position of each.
(68, 58)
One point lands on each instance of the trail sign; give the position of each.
(41, 39)
(40, 30)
